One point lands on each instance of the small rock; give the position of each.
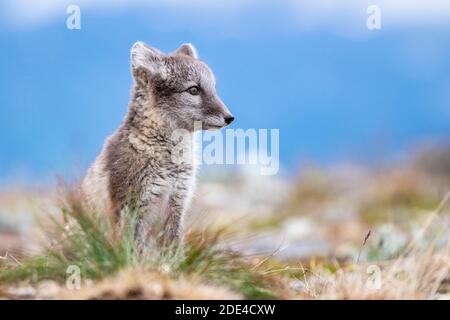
(298, 286)
(48, 289)
(22, 292)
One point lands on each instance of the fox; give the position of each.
(137, 163)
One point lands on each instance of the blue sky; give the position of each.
(335, 89)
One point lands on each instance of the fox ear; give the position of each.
(145, 61)
(188, 50)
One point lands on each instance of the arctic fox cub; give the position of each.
(136, 165)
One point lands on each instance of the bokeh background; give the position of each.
(336, 90)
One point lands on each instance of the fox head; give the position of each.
(178, 86)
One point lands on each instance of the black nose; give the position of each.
(229, 119)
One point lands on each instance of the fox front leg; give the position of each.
(179, 201)
(178, 204)
(151, 216)
(173, 227)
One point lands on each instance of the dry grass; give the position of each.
(417, 273)
(206, 268)
(415, 277)
(84, 239)
(142, 284)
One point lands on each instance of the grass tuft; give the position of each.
(100, 249)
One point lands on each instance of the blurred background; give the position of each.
(336, 90)
(364, 115)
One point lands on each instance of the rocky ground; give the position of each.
(335, 222)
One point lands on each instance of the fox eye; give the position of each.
(194, 90)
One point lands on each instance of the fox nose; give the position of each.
(229, 119)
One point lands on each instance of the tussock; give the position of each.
(141, 284)
(102, 250)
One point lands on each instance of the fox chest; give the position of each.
(166, 183)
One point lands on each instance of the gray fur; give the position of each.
(136, 164)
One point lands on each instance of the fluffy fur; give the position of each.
(138, 164)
